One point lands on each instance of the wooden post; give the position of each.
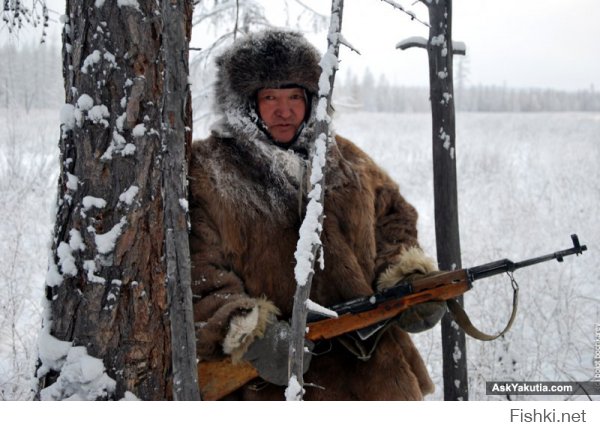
(440, 50)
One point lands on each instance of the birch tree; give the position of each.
(118, 321)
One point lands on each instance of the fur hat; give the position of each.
(268, 59)
(272, 58)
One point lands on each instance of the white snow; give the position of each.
(90, 60)
(67, 117)
(456, 354)
(111, 59)
(184, 204)
(128, 3)
(445, 138)
(309, 237)
(82, 378)
(99, 3)
(293, 391)
(92, 202)
(72, 182)
(319, 309)
(438, 40)
(52, 352)
(139, 130)
(85, 102)
(128, 150)
(66, 261)
(129, 396)
(90, 268)
(128, 195)
(459, 46)
(76, 242)
(105, 243)
(98, 113)
(121, 121)
(53, 276)
(412, 41)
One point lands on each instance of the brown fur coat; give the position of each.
(246, 207)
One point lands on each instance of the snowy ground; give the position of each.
(526, 182)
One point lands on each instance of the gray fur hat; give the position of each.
(272, 58)
(268, 59)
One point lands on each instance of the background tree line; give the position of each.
(371, 94)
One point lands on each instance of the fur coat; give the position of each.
(247, 202)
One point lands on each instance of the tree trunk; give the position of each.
(125, 127)
(440, 53)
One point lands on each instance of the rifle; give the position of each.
(219, 378)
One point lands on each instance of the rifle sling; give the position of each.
(461, 318)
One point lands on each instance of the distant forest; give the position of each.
(31, 77)
(369, 94)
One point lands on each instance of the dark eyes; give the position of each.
(292, 97)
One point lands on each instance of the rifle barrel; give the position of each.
(505, 265)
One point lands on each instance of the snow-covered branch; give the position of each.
(401, 8)
(309, 243)
(458, 48)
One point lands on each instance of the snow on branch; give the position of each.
(347, 44)
(313, 307)
(309, 244)
(411, 14)
(458, 48)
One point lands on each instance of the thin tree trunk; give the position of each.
(312, 225)
(177, 136)
(445, 188)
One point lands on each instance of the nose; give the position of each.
(283, 109)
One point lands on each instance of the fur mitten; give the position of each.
(246, 327)
(270, 353)
(411, 265)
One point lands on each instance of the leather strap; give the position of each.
(461, 318)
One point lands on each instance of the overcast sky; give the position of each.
(518, 43)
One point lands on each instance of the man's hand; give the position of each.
(421, 317)
(269, 354)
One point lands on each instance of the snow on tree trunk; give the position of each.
(309, 242)
(120, 238)
(440, 51)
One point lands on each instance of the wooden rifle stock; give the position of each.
(219, 378)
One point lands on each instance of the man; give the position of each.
(248, 186)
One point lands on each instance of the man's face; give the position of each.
(282, 110)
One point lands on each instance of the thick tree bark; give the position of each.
(120, 131)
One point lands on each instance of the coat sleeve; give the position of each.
(227, 319)
(398, 250)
